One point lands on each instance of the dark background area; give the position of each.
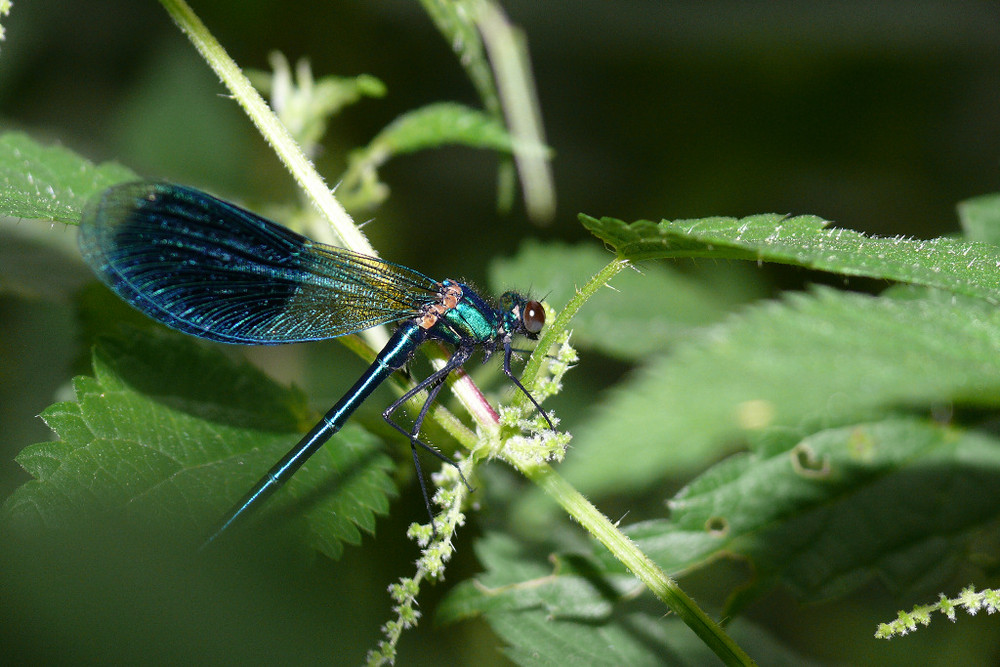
(878, 116)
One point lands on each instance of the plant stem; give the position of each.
(661, 585)
(270, 127)
(508, 52)
(552, 332)
(621, 547)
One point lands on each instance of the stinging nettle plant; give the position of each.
(867, 454)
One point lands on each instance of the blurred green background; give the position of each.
(878, 116)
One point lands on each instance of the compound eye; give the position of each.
(533, 317)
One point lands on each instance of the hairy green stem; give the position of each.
(573, 502)
(661, 585)
(268, 124)
(560, 324)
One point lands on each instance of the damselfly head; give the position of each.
(528, 316)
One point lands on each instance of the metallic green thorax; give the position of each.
(472, 319)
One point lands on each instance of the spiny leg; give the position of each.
(506, 369)
(432, 393)
(432, 384)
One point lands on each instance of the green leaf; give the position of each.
(513, 582)
(49, 182)
(645, 311)
(170, 433)
(958, 266)
(437, 125)
(980, 217)
(565, 610)
(432, 126)
(897, 499)
(636, 638)
(821, 359)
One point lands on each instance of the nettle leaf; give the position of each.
(50, 182)
(437, 125)
(645, 311)
(569, 586)
(898, 499)
(566, 610)
(958, 266)
(821, 359)
(432, 126)
(171, 433)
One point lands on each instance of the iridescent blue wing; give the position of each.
(214, 270)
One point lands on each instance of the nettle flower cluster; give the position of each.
(969, 598)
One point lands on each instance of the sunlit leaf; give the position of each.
(959, 266)
(818, 359)
(169, 432)
(49, 182)
(897, 499)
